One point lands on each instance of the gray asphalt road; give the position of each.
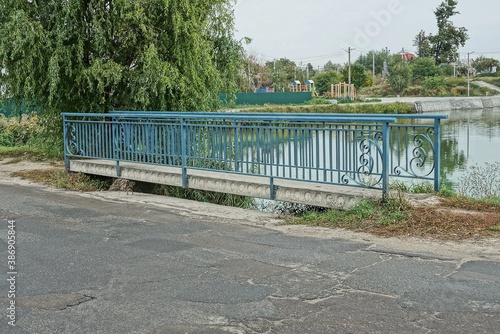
(91, 266)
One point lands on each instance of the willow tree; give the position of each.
(97, 55)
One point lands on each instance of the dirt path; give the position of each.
(10, 165)
(487, 85)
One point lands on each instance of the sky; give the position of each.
(316, 31)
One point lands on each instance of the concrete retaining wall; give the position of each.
(457, 104)
(491, 102)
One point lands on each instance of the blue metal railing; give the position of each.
(346, 149)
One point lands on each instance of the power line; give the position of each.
(304, 59)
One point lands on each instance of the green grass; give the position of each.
(61, 179)
(204, 196)
(357, 108)
(364, 214)
(454, 218)
(22, 153)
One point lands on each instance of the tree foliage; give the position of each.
(331, 66)
(483, 64)
(253, 74)
(367, 60)
(94, 55)
(283, 73)
(358, 75)
(425, 67)
(400, 75)
(443, 46)
(324, 80)
(423, 45)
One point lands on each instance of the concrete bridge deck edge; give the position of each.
(331, 196)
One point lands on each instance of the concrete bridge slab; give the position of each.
(330, 196)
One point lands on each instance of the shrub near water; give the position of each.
(481, 181)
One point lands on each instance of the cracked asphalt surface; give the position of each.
(94, 264)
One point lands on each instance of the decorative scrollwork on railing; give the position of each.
(370, 152)
(421, 153)
(119, 140)
(72, 147)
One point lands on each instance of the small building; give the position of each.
(407, 56)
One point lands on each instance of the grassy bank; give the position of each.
(450, 218)
(344, 108)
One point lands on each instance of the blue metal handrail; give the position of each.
(353, 150)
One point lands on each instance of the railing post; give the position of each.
(272, 189)
(236, 147)
(65, 140)
(437, 154)
(116, 139)
(183, 153)
(385, 160)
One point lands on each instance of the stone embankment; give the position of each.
(457, 104)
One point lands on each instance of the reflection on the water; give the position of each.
(469, 137)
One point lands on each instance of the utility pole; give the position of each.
(349, 59)
(386, 64)
(468, 72)
(373, 71)
(349, 64)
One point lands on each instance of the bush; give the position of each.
(425, 67)
(18, 131)
(433, 83)
(318, 101)
(476, 90)
(414, 91)
(455, 82)
(448, 70)
(400, 74)
(481, 75)
(459, 91)
(481, 181)
(380, 90)
(323, 81)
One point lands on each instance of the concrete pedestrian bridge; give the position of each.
(328, 160)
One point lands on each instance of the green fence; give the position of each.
(269, 98)
(9, 108)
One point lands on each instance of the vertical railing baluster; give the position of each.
(437, 154)
(385, 160)
(236, 146)
(183, 153)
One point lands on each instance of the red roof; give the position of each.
(408, 56)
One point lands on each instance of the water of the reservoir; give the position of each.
(469, 138)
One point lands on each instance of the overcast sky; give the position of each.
(315, 31)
